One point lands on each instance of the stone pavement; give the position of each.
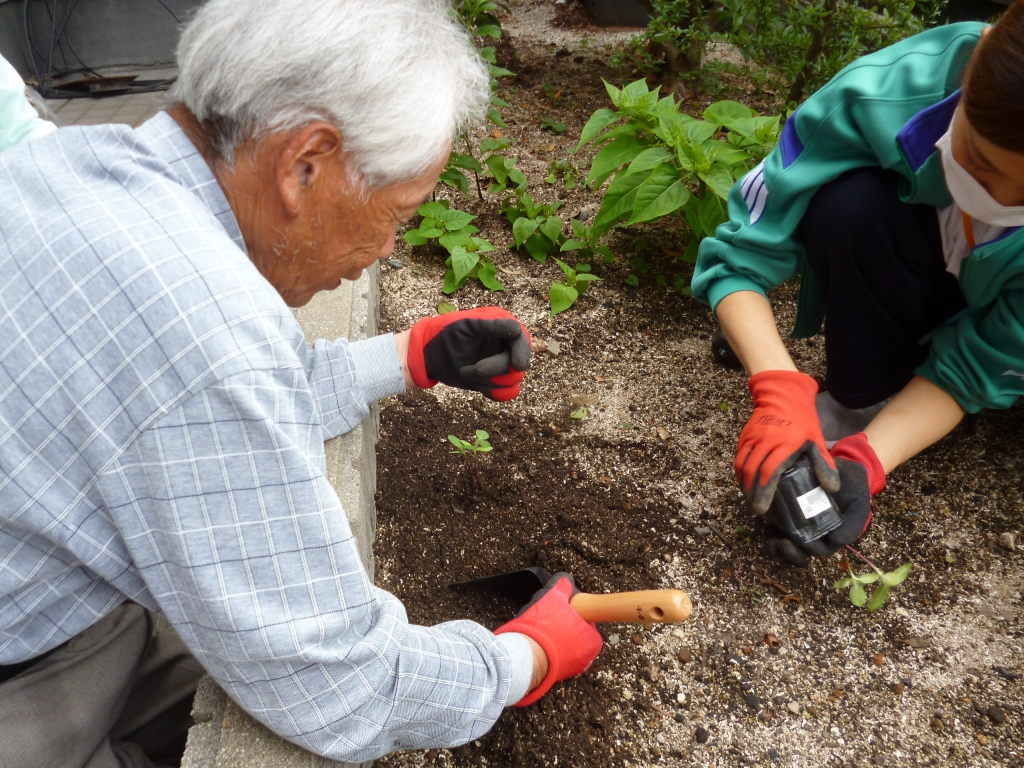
(224, 735)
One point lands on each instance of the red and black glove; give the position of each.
(783, 427)
(570, 643)
(486, 350)
(861, 478)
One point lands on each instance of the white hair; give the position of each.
(398, 78)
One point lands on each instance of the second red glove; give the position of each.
(783, 427)
(570, 643)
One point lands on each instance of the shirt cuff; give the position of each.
(378, 369)
(521, 656)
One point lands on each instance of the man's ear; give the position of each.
(306, 161)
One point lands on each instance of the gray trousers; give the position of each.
(118, 695)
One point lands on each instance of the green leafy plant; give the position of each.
(454, 173)
(480, 19)
(501, 169)
(565, 169)
(550, 124)
(856, 582)
(470, 448)
(564, 295)
(584, 243)
(534, 225)
(662, 162)
(453, 231)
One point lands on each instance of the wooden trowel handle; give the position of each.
(661, 606)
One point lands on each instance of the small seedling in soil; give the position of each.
(579, 413)
(856, 583)
(550, 124)
(469, 449)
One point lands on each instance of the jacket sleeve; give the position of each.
(242, 542)
(978, 356)
(841, 127)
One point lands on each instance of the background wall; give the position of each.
(103, 33)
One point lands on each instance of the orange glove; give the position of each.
(783, 427)
(570, 643)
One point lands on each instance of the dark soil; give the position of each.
(641, 494)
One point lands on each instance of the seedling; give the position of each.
(470, 448)
(564, 295)
(550, 124)
(551, 92)
(584, 243)
(453, 231)
(579, 413)
(856, 583)
(566, 169)
(534, 225)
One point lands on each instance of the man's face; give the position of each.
(338, 231)
(998, 170)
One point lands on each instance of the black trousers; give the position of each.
(880, 266)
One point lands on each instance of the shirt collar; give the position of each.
(171, 144)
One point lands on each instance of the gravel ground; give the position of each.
(775, 666)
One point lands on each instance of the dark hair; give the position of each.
(993, 95)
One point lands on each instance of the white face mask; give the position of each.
(974, 199)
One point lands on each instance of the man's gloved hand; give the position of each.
(570, 643)
(861, 478)
(486, 350)
(783, 427)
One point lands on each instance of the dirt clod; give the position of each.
(996, 715)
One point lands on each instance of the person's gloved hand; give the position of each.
(783, 427)
(485, 349)
(570, 643)
(861, 478)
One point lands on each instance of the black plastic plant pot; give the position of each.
(802, 509)
(619, 13)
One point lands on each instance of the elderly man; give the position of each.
(162, 418)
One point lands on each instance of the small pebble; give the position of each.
(396, 263)
(1008, 541)
(701, 735)
(702, 531)
(638, 639)
(878, 659)
(684, 655)
(655, 752)
(613, 639)
(773, 754)
(982, 739)
(753, 702)
(793, 707)
(627, 694)
(680, 717)
(996, 715)
(812, 711)
(654, 674)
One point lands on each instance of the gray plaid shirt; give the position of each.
(161, 440)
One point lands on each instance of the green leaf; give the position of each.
(463, 262)
(539, 247)
(451, 285)
(659, 196)
(488, 276)
(841, 584)
(552, 228)
(562, 297)
(867, 578)
(857, 594)
(635, 91)
(495, 117)
(949, 556)
(618, 201)
(454, 220)
(458, 442)
(897, 577)
(583, 281)
(572, 245)
(579, 413)
(719, 180)
(488, 54)
(566, 269)
(605, 253)
(522, 229)
(432, 208)
(481, 435)
(489, 30)
(445, 307)
(648, 159)
(711, 213)
(727, 113)
(878, 597)
(500, 72)
(698, 131)
(455, 178)
(414, 237)
(468, 162)
(633, 280)
(613, 93)
(494, 145)
(613, 156)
